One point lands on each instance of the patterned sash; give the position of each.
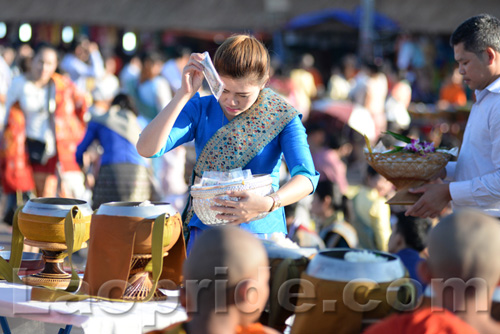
(239, 141)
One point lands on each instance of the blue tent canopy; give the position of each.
(349, 18)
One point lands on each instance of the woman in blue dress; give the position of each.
(250, 127)
(123, 174)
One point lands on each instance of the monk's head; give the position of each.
(227, 269)
(464, 250)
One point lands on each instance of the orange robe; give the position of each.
(422, 321)
(256, 328)
(454, 94)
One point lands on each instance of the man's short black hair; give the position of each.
(414, 231)
(478, 33)
(152, 56)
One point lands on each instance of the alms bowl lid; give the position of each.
(55, 206)
(329, 264)
(149, 210)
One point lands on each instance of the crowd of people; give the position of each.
(80, 128)
(70, 121)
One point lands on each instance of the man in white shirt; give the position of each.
(172, 69)
(475, 177)
(83, 63)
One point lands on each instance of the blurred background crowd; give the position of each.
(87, 87)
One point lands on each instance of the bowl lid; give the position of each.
(150, 210)
(55, 206)
(330, 265)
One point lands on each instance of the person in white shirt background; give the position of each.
(151, 93)
(83, 63)
(130, 73)
(475, 176)
(172, 69)
(105, 89)
(5, 80)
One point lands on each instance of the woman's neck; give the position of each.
(328, 214)
(325, 219)
(103, 105)
(229, 117)
(37, 82)
(146, 77)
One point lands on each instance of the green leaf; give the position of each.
(399, 137)
(395, 149)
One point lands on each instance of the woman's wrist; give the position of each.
(270, 204)
(276, 201)
(182, 97)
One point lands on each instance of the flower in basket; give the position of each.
(412, 145)
(420, 147)
(408, 166)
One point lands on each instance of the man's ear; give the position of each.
(241, 291)
(246, 296)
(424, 271)
(491, 54)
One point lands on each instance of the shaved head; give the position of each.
(228, 247)
(466, 245)
(227, 267)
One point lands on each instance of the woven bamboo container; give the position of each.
(203, 197)
(407, 170)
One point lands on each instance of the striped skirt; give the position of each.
(121, 182)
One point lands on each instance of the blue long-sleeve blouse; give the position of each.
(203, 116)
(116, 148)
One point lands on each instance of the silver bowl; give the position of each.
(203, 197)
(330, 265)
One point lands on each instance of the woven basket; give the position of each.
(203, 197)
(405, 169)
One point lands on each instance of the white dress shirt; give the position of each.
(80, 71)
(476, 173)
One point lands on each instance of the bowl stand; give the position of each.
(53, 274)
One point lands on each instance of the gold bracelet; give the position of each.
(276, 201)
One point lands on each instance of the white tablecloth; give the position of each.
(92, 316)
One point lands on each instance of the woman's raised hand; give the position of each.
(192, 75)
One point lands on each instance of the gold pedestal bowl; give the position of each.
(42, 222)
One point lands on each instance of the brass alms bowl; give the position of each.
(42, 219)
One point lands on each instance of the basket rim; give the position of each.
(406, 152)
(255, 179)
(429, 158)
